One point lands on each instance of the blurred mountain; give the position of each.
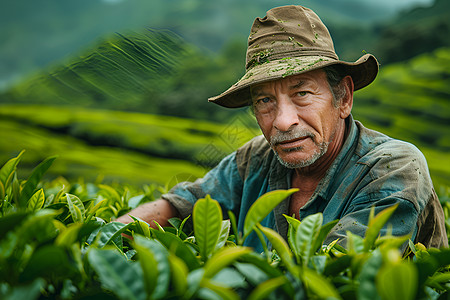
(35, 34)
(154, 72)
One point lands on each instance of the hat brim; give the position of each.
(363, 72)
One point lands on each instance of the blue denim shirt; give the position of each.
(371, 169)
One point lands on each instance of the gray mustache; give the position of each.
(281, 136)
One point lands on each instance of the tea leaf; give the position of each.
(92, 211)
(262, 207)
(223, 237)
(222, 259)
(179, 272)
(76, 208)
(177, 247)
(69, 236)
(306, 236)
(107, 233)
(376, 224)
(367, 289)
(148, 264)
(36, 201)
(207, 218)
(32, 181)
(397, 281)
(8, 170)
(324, 230)
(118, 275)
(223, 292)
(281, 246)
(319, 285)
(264, 289)
(160, 254)
(292, 230)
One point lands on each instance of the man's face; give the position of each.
(298, 117)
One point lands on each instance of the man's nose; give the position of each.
(286, 116)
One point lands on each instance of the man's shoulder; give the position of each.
(374, 145)
(396, 166)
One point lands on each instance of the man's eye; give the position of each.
(301, 94)
(264, 100)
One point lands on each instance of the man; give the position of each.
(302, 96)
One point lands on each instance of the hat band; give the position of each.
(266, 56)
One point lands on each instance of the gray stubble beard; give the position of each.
(281, 137)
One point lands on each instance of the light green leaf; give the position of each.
(32, 181)
(122, 277)
(107, 234)
(279, 244)
(438, 279)
(223, 258)
(324, 230)
(112, 193)
(92, 210)
(306, 236)
(69, 236)
(263, 290)
(237, 234)
(262, 207)
(177, 247)
(375, 225)
(8, 170)
(367, 289)
(76, 208)
(319, 285)
(36, 201)
(207, 218)
(292, 230)
(397, 281)
(160, 254)
(148, 264)
(355, 243)
(223, 292)
(223, 237)
(2, 193)
(179, 272)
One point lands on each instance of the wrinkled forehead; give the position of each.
(315, 77)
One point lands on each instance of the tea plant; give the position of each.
(59, 240)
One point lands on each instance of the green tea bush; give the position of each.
(58, 240)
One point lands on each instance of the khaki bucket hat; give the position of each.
(291, 40)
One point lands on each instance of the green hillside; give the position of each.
(126, 147)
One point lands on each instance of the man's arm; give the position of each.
(160, 211)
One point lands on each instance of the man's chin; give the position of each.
(293, 159)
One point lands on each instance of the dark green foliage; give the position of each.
(47, 255)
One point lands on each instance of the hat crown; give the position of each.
(288, 31)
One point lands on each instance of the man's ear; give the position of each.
(346, 102)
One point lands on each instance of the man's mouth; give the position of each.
(292, 143)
